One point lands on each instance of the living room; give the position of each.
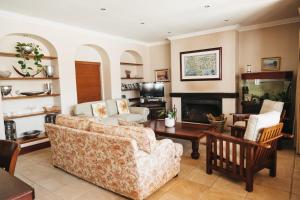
(108, 51)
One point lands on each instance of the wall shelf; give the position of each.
(124, 78)
(132, 64)
(28, 78)
(29, 115)
(130, 90)
(7, 54)
(27, 140)
(30, 97)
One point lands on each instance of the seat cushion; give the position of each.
(128, 123)
(269, 106)
(240, 123)
(82, 123)
(258, 122)
(130, 117)
(145, 137)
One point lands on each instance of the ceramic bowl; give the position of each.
(5, 74)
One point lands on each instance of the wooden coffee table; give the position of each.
(186, 131)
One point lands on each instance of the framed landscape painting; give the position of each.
(162, 75)
(270, 64)
(200, 65)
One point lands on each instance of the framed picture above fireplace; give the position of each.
(201, 65)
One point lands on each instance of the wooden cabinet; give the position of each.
(155, 109)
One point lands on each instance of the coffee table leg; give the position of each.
(195, 147)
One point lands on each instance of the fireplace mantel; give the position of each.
(206, 95)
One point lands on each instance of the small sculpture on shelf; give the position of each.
(24, 52)
(127, 72)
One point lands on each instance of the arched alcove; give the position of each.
(15, 105)
(94, 53)
(131, 63)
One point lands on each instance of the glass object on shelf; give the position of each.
(248, 68)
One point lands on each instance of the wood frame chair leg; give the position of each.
(208, 156)
(249, 182)
(273, 167)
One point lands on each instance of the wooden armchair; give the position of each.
(240, 158)
(239, 121)
(9, 152)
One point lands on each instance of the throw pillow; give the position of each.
(99, 110)
(127, 123)
(258, 122)
(122, 105)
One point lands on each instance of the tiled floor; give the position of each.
(192, 183)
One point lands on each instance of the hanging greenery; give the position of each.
(25, 51)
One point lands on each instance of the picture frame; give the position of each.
(201, 65)
(270, 64)
(162, 75)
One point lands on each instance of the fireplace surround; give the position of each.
(193, 107)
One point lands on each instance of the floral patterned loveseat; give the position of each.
(124, 159)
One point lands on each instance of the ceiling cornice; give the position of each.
(270, 24)
(238, 28)
(204, 32)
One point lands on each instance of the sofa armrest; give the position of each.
(140, 110)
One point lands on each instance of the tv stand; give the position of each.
(155, 107)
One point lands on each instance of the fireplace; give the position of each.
(194, 109)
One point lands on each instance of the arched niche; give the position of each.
(94, 53)
(131, 61)
(32, 105)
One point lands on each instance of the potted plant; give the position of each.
(170, 117)
(25, 51)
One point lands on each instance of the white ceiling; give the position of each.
(123, 17)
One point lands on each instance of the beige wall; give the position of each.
(160, 58)
(67, 40)
(270, 42)
(227, 40)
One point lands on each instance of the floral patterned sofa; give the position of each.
(124, 159)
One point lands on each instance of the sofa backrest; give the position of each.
(145, 137)
(77, 122)
(86, 108)
(106, 160)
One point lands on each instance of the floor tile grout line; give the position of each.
(292, 177)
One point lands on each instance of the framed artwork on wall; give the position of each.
(270, 64)
(201, 65)
(162, 75)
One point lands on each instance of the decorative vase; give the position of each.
(169, 122)
(49, 70)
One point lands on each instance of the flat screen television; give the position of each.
(152, 89)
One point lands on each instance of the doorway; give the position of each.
(88, 82)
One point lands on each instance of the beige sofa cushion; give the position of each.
(82, 123)
(145, 137)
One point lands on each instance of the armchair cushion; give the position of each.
(257, 122)
(269, 106)
(240, 123)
